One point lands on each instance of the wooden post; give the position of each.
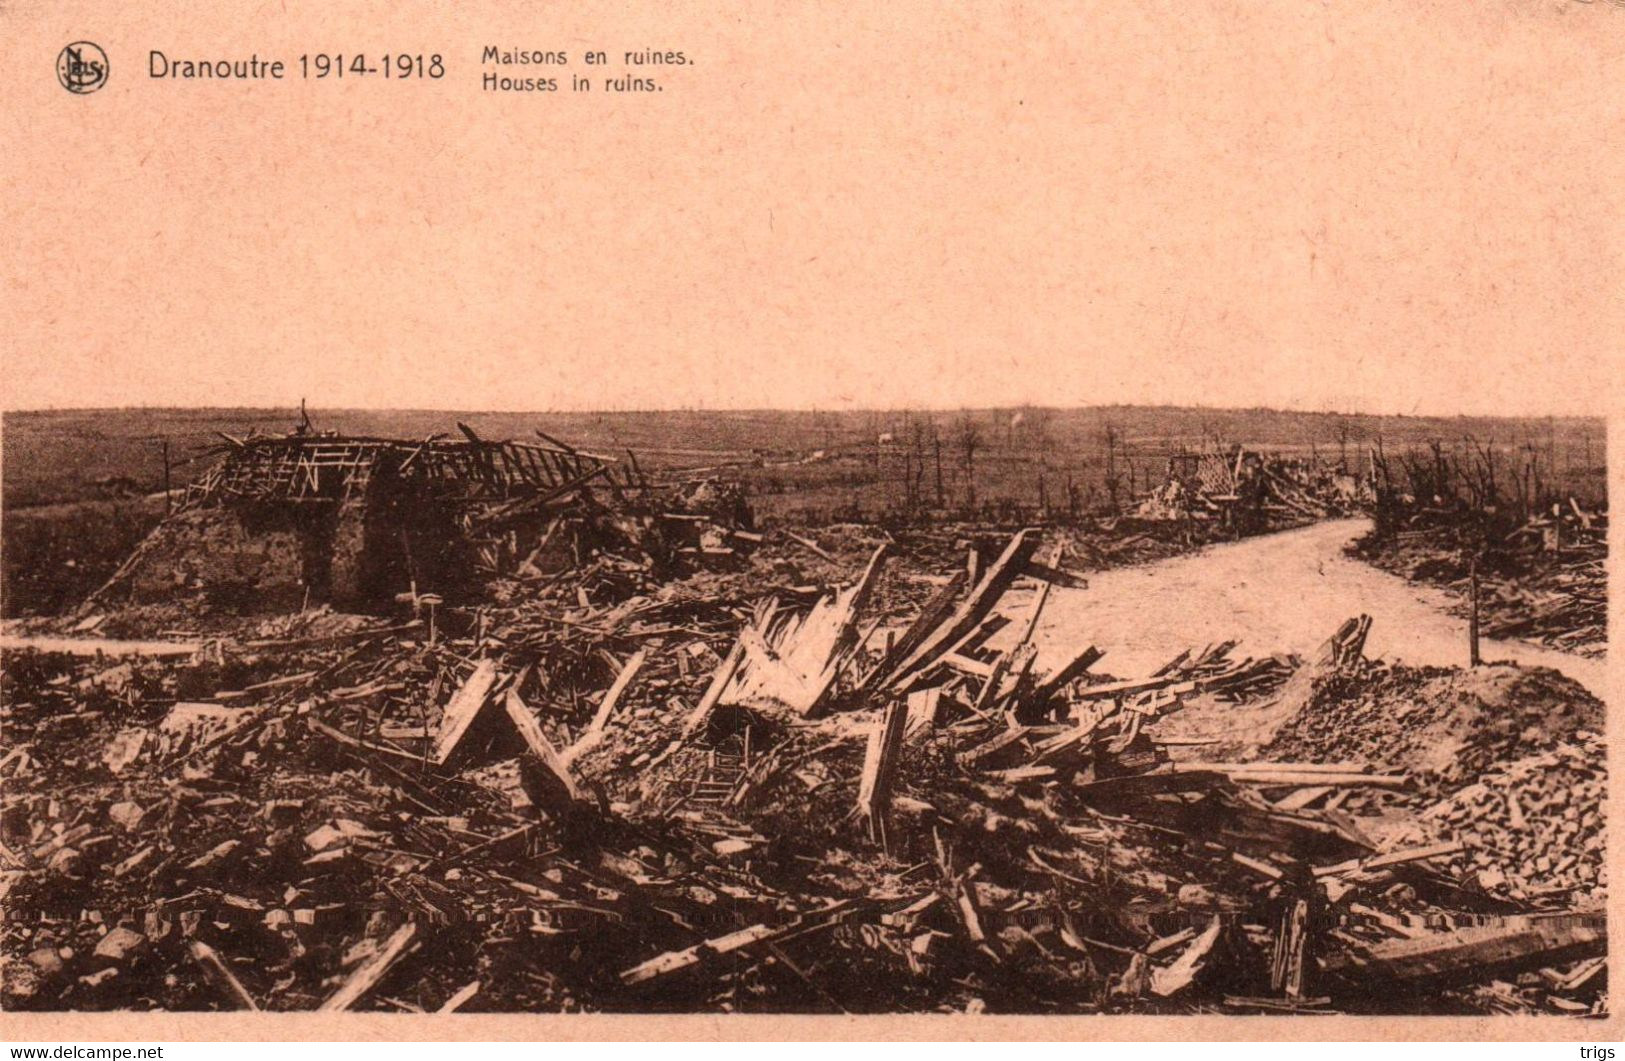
(1291, 956)
(1473, 659)
(879, 765)
(166, 477)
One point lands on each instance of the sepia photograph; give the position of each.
(917, 518)
(1024, 710)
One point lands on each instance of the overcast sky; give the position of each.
(1385, 207)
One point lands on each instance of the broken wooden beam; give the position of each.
(461, 710)
(1263, 766)
(811, 545)
(970, 612)
(678, 960)
(1071, 671)
(543, 773)
(318, 726)
(675, 961)
(795, 659)
(1112, 690)
(535, 740)
(214, 968)
(935, 612)
(456, 1001)
(713, 692)
(1393, 858)
(924, 707)
(1051, 574)
(1479, 952)
(1190, 963)
(1294, 778)
(992, 747)
(1291, 958)
(623, 680)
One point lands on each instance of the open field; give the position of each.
(73, 480)
(55, 456)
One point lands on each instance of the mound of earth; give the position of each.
(1443, 726)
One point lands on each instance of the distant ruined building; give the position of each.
(353, 521)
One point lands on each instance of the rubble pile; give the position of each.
(1533, 830)
(1446, 726)
(829, 776)
(1544, 580)
(1246, 491)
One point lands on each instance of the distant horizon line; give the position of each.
(838, 410)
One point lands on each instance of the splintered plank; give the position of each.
(1060, 679)
(1185, 968)
(1065, 742)
(848, 604)
(460, 712)
(372, 970)
(1300, 798)
(794, 659)
(1331, 771)
(1034, 613)
(879, 764)
(808, 543)
(972, 610)
(994, 746)
(987, 697)
(593, 735)
(1393, 858)
(678, 960)
(1291, 956)
(936, 610)
(713, 692)
(923, 708)
(675, 961)
(1112, 690)
(966, 665)
(623, 680)
(537, 742)
(1263, 774)
(1051, 574)
(455, 1002)
(100, 647)
(969, 913)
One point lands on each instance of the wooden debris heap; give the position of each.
(730, 794)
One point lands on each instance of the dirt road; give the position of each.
(1282, 592)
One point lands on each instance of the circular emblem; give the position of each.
(82, 67)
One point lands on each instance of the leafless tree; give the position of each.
(968, 440)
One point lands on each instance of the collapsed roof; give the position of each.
(362, 520)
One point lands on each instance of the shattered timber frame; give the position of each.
(327, 468)
(367, 518)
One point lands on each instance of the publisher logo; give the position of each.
(82, 67)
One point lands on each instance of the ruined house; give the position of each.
(281, 521)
